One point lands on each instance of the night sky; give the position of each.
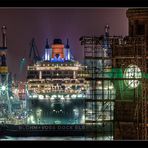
(72, 23)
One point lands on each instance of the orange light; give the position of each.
(3, 69)
(3, 53)
(57, 49)
(57, 46)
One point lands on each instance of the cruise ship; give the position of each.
(56, 88)
(52, 100)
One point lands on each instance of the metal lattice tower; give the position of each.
(5, 109)
(99, 103)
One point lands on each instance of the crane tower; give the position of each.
(5, 105)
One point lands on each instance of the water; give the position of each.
(42, 138)
(8, 138)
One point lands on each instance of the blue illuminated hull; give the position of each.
(58, 113)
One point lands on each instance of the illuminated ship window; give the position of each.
(132, 72)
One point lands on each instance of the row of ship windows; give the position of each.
(58, 64)
(52, 72)
(59, 82)
(46, 77)
(57, 90)
(58, 87)
(55, 72)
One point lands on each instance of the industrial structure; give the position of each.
(120, 66)
(5, 105)
(100, 101)
(12, 94)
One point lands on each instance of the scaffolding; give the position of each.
(130, 103)
(117, 73)
(99, 101)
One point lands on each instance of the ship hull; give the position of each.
(44, 130)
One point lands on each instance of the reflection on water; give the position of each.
(43, 138)
(8, 138)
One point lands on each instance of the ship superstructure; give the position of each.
(56, 88)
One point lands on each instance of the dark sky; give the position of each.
(24, 24)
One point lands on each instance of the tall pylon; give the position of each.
(5, 105)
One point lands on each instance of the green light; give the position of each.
(132, 72)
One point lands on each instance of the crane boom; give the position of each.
(34, 54)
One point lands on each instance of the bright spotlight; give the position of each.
(41, 97)
(3, 88)
(34, 96)
(11, 97)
